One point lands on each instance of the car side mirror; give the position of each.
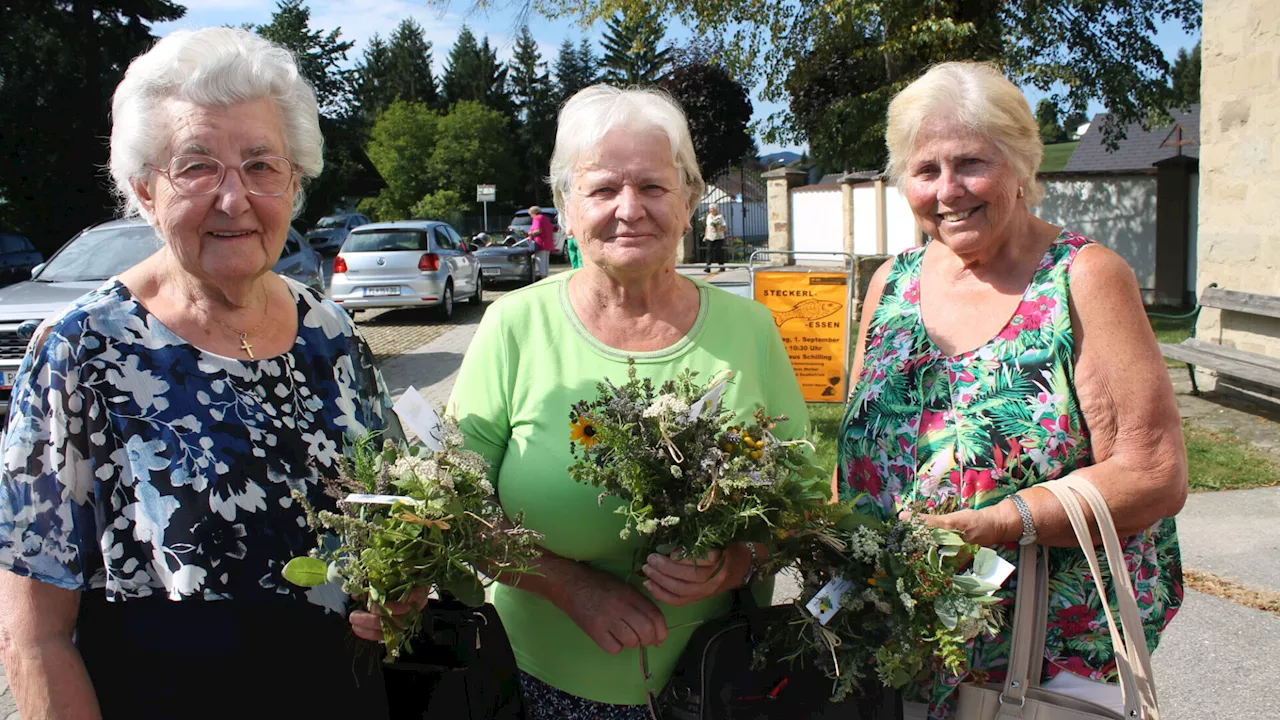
(36, 270)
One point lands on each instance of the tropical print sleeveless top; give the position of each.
(943, 432)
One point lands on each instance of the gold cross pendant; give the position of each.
(244, 345)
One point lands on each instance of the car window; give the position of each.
(453, 235)
(291, 246)
(333, 221)
(100, 254)
(443, 241)
(385, 241)
(521, 221)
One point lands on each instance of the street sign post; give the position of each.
(486, 194)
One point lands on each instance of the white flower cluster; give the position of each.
(907, 601)
(425, 470)
(667, 406)
(865, 546)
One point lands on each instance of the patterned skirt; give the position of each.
(543, 702)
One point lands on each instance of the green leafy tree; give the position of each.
(1073, 121)
(1051, 131)
(632, 55)
(320, 56)
(446, 205)
(533, 94)
(719, 112)
(59, 64)
(1074, 49)
(401, 145)
(473, 147)
(473, 72)
(1185, 77)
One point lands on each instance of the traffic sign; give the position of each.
(486, 193)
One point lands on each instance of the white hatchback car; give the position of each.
(411, 263)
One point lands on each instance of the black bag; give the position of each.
(461, 668)
(714, 679)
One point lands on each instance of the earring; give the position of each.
(1020, 193)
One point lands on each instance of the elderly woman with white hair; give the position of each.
(1005, 353)
(625, 181)
(160, 424)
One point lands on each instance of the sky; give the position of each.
(361, 19)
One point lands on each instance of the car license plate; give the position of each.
(381, 291)
(10, 376)
(491, 270)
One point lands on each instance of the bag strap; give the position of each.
(1026, 634)
(1133, 659)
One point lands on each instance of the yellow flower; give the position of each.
(583, 431)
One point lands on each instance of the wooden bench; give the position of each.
(1256, 368)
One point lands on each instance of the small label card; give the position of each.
(994, 571)
(363, 499)
(709, 403)
(826, 602)
(417, 415)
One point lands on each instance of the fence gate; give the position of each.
(741, 196)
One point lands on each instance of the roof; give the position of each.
(398, 225)
(733, 183)
(1140, 149)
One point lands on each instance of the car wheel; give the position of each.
(478, 299)
(529, 276)
(445, 309)
(351, 314)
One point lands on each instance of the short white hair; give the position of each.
(213, 67)
(978, 97)
(595, 111)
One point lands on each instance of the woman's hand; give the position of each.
(614, 614)
(368, 625)
(684, 582)
(988, 527)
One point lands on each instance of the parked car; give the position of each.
(410, 263)
(522, 222)
(17, 257)
(83, 264)
(507, 261)
(330, 232)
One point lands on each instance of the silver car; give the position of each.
(507, 263)
(83, 264)
(331, 231)
(411, 263)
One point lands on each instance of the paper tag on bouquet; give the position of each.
(709, 403)
(363, 499)
(826, 602)
(417, 415)
(992, 569)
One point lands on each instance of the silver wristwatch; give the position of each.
(1028, 522)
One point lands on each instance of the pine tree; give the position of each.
(320, 55)
(588, 64)
(535, 107)
(631, 53)
(409, 65)
(1185, 77)
(372, 92)
(473, 72)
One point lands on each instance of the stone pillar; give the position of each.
(779, 184)
(882, 233)
(846, 211)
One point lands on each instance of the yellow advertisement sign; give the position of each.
(811, 310)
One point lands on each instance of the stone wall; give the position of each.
(1239, 238)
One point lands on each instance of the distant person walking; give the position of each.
(714, 235)
(543, 237)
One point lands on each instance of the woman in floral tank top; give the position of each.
(1004, 353)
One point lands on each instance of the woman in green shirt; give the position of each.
(625, 180)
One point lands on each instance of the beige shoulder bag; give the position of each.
(1021, 697)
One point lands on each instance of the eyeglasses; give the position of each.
(265, 176)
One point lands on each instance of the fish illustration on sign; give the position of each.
(808, 310)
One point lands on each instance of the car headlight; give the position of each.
(516, 259)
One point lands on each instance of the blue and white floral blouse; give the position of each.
(148, 472)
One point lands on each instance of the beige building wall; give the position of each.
(1239, 235)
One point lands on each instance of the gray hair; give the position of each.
(216, 67)
(979, 97)
(594, 111)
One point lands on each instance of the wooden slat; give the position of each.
(1244, 302)
(1228, 361)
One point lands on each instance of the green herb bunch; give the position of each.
(440, 528)
(916, 595)
(691, 481)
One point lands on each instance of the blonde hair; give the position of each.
(214, 66)
(594, 111)
(978, 97)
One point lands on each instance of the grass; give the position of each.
(1218, 460)
(825, 419)
(1057, 155)
(1169, 330)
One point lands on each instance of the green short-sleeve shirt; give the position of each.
(530, 360)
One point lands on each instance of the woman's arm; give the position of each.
(875, 289)
(48, 677)
(1128, 404)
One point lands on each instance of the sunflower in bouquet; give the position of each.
(691, 479)
(887, 598)
(411, 517)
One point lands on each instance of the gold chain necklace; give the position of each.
(244, 336)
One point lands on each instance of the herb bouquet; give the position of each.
(895, 596)
(411, 517)
(689, 480)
